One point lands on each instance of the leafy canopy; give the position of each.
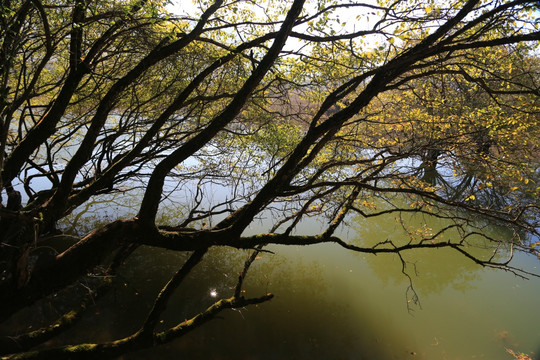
(200, 122)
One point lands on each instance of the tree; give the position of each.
(286, 108)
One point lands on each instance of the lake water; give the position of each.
(331, 303)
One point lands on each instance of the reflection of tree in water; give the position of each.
(100, 210)
(431, 270)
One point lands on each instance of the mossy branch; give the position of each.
(162, 299)
(26, 341)
(135, 342)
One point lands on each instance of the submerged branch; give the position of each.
(139, 340)
(162, 299)
(24, 342)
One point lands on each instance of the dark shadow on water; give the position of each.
(301, 322)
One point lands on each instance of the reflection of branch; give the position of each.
(499, 215)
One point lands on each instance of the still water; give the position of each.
(333, 304)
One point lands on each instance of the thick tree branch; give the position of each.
(153, 192)
(85, 149)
